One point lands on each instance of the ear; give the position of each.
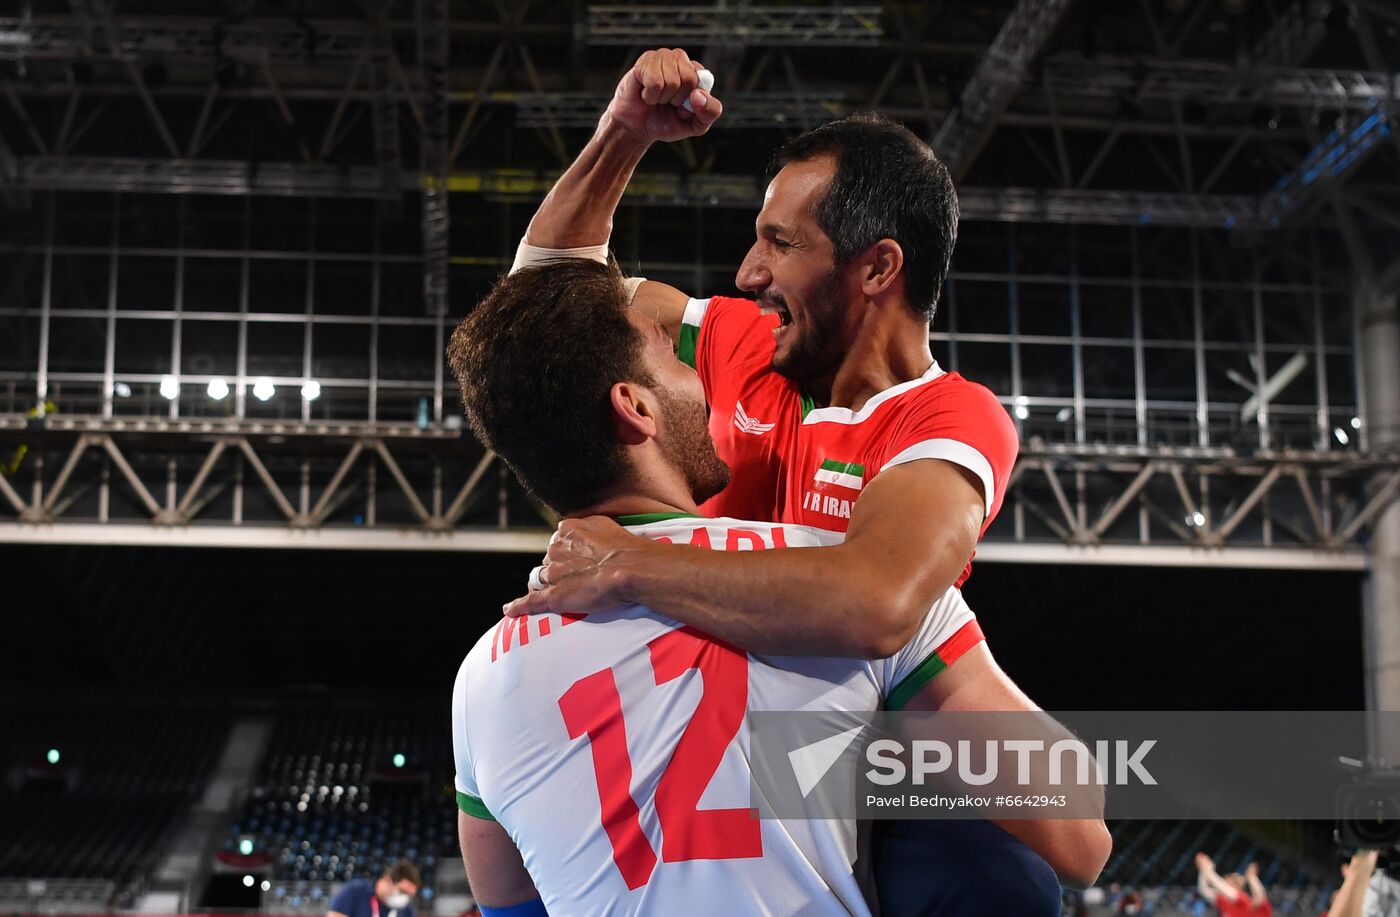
(634, 415)
(881, 267)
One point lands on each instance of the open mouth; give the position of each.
(784, 316)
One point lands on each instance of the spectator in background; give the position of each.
(1234, 895)
(391, 895)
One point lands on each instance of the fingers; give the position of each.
(533, 604)
(667, 76)
(707, 109)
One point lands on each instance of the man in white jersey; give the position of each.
(601, 761)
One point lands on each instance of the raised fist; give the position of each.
(649, 99)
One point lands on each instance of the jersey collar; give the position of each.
(645, 518)
(847, 416)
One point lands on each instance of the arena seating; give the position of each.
(105, 807)
(331, 805)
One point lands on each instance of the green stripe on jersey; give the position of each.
(690, 338)
(855, 468)
(644, 518)
(473, 806)
(914, 682)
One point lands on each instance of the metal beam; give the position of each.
(696, 25)
(1112, 208)
(996, 81)
(1350, 559)
(433, 67)
(198, 176)
(1220, 83)
(742, 109)
(138, 40)
(513, 541)
(534, 542)
(1329, 163)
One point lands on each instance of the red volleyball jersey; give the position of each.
(794, 462)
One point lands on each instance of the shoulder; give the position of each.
(953, 392)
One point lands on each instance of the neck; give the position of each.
(636, 505)
(888, 345)
(655, 486)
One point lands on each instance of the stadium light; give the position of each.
(248, 881)
(266, 885)
(311, 390)
(245, 846)
(121, 390)
(263, 389)
(399, 760)
(53, 756)
(1196, 519)
(1341, 436)
(1022, 412)
(1064, 414)
(1356, 423)
(218, 389)
(169, 388)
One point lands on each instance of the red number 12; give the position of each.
(593, 707)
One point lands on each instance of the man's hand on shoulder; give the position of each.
(585, 569)
(649, 99)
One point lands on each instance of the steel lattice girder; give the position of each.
(1099, 504)
(743, 109)
(759, 25)
(1220, 83)
(185, 40)
(1210, 498)
(1113, 208)
(996, 82)
(195, 176)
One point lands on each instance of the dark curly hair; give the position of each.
(536, 361)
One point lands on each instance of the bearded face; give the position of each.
(688, 445)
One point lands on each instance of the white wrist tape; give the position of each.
(631, 285)
(528, 255)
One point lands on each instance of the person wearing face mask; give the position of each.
(391, 895)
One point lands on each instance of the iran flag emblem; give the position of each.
(839, 474)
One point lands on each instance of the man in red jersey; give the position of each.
(827, 405)
(1234, 895)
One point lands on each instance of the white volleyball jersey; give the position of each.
(613, 749)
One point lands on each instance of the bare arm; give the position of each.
(1076, 849)
(494, 869)
(1351, 896)
(911, 533)
(646, 108)
(1257, 894)
(1209, 881)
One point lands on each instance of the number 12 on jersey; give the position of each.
(593, 707)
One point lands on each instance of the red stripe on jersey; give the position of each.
(966, 637)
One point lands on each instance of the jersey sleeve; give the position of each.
(946, 632)
(720, 331)
(468, 795)
(960, 422)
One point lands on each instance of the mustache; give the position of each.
(772, 299)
